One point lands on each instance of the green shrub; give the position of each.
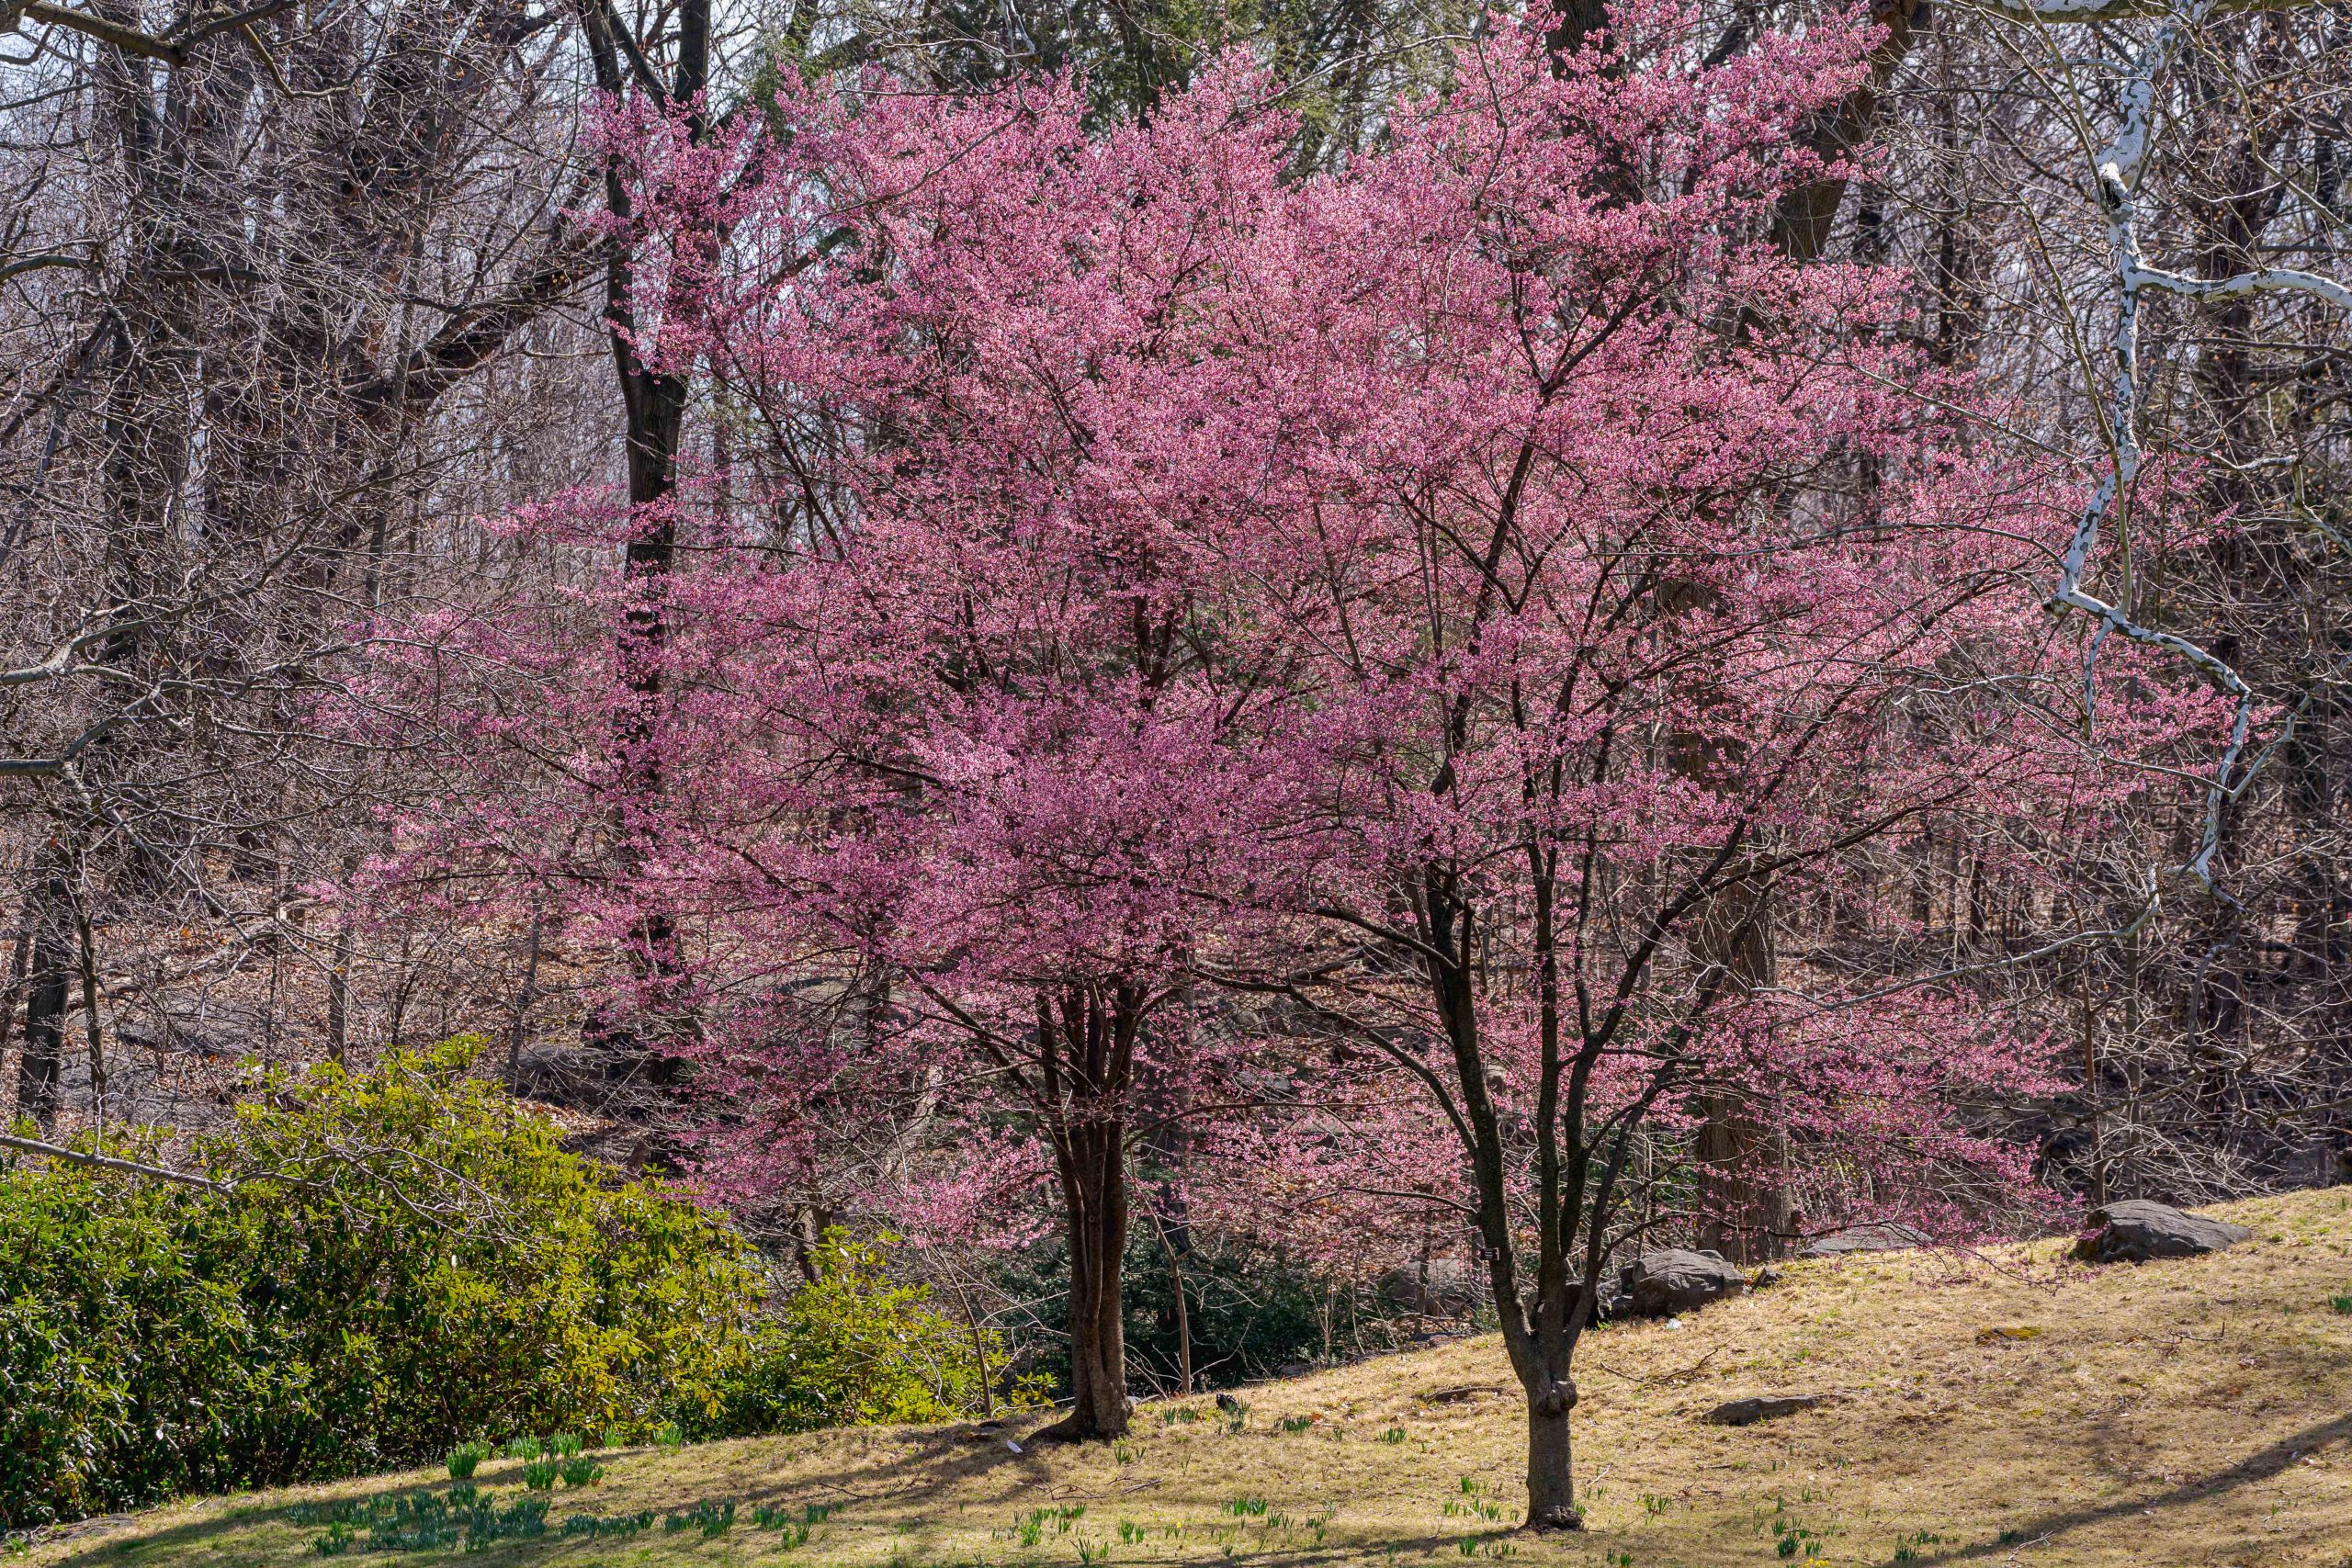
(850, 1348)
(401, 1257)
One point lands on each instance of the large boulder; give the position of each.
(1888, 1236)
(1673, 1280)
(2134, 1230)
(1451, 1289)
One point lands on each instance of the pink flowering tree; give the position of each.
(1653, 599)
(1166, 618)
(963, 709)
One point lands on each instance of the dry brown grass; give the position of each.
(2197, 1411)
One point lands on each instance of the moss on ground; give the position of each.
(2006, 1406)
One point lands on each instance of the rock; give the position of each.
(1606, 1303)
(1451, 1289)
(1762, 1407)
(1764, 1278)
(1885, 1237)
(1674, 1279)
(2134, 1230)
(1294, 1369)
(1230, 1405)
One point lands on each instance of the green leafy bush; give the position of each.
(849, 1347)
(397, 1260)
(392, 1260)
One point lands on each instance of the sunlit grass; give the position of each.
(2195, 1413)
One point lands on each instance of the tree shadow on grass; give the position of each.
(2261, 1466)
(937, 1457)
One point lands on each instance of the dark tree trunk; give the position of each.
(49, 988)
(1086, 1043)
(1094, 1189)
(654, 405)
(1739, 1160)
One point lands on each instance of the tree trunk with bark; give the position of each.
(1551, 1472)
(49, 990)
(1094, 1192)
(1086, 1040)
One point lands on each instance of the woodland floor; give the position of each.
(2006, 1406)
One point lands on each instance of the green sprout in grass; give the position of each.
(712, 1520)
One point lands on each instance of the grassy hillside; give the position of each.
(2002, 1407)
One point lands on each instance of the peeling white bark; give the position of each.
(2116, 171)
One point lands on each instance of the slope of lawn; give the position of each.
(2006, 1406)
